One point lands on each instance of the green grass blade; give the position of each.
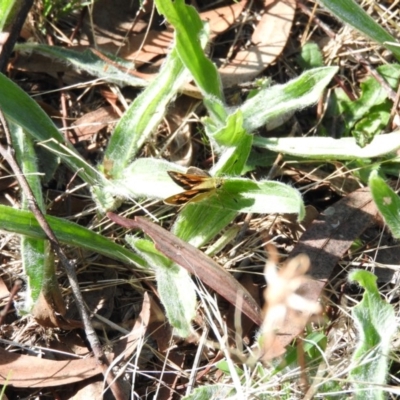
(352, 14)
(21, 110)
(179, 303)
(37, 258)
(190, 36)
(24, 223)
(8, 10)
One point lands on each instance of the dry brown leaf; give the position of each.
(26, 371)
(142, 48)
(92, 122)
(49, 311)
(89, 389)
(197, 263)
(128, 345)
(268, 40)
(111, 23)
(221, 19)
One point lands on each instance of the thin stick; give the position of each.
(95, 344)
(10, 34)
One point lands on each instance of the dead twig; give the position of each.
(11, 32)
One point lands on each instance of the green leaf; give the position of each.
(310, 56)
(352, 14)
(37, 258)
(190, 37)
(8, 11)
(88, 62)
(147, 177)
(234, 145)
(272, 105)
(368, 127)
(324, 148)
(24, 223)
(144, 115)
(365, 117)
(376, 324)
(174, 284)
(387, 202)
(199, 223)
(21, 110)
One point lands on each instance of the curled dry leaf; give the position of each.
(92, 122)
(281, 295)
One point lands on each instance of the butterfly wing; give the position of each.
(187, 181)
(185, 197)
(197, 187)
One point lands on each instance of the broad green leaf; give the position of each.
(144, 115)
(376, 324)
(371, 125)
(387, 202)
(273, 104)
(147, 177)
(310, 56)
(199, 223)
(233, 144)
(365, 117)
